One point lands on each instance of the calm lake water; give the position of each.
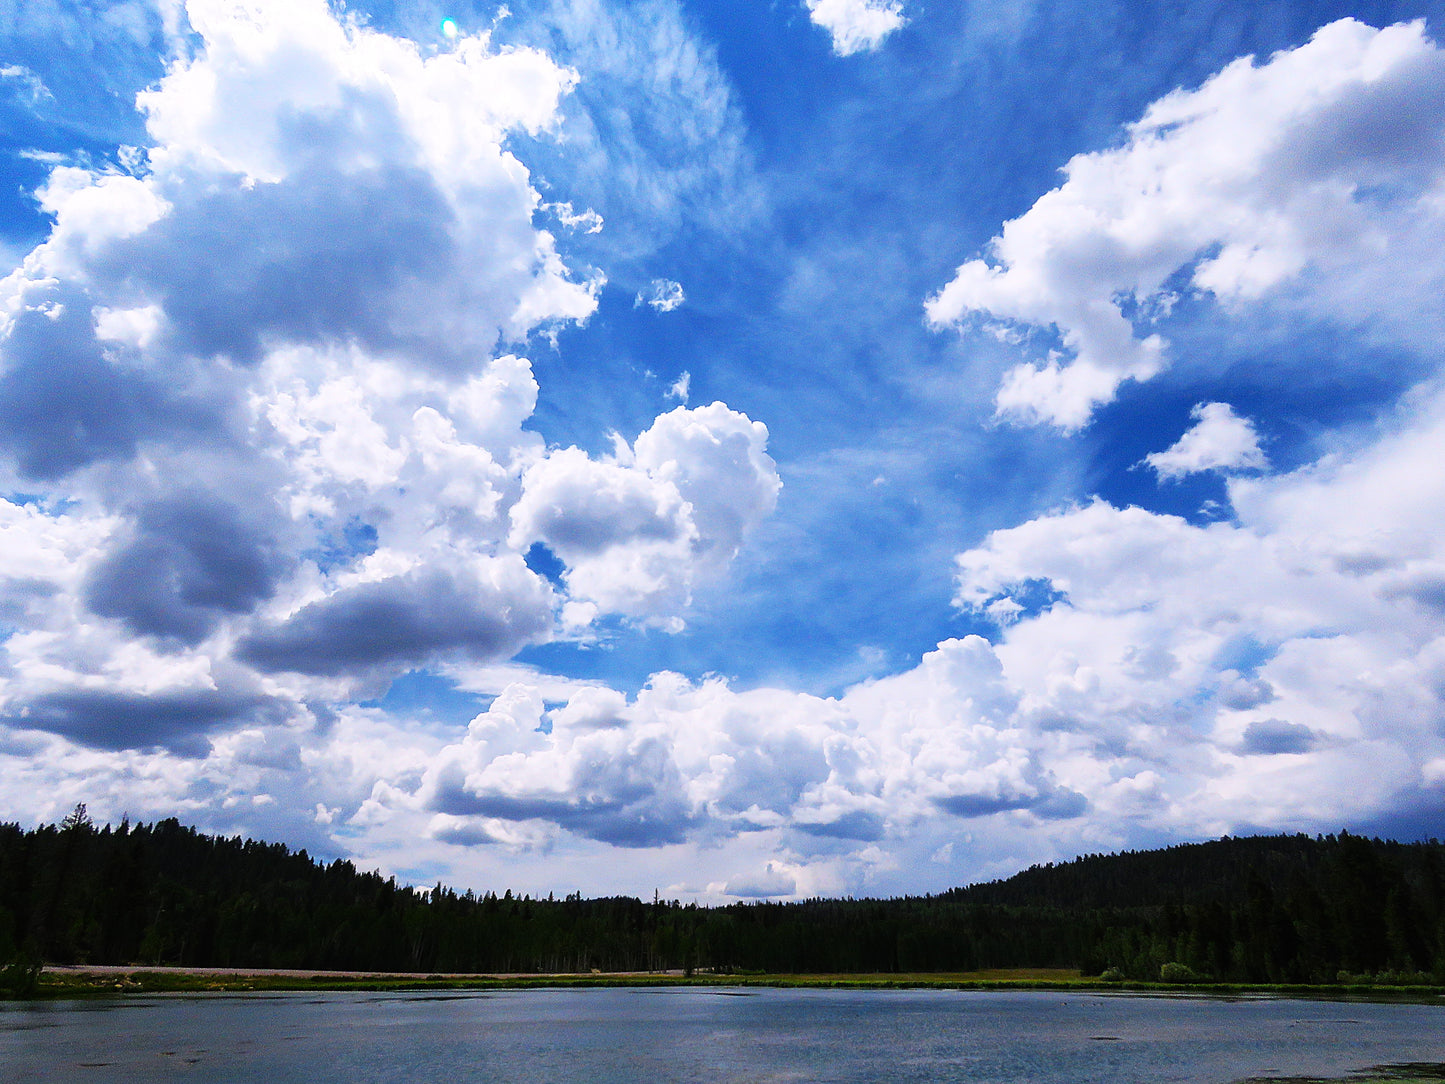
(706, 1037)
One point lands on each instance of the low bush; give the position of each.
(1177, 973)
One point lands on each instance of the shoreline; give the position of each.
(109, 980)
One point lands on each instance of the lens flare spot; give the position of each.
(449, 28)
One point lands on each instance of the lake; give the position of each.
(706, 1036)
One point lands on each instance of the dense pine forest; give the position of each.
(1268, 909)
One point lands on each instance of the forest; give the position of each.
(1259, 909)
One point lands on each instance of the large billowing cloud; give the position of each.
(1281, 670)
(1286, 670)
(1321, 165)
(261, 410)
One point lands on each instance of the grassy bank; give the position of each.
(80, 983)
(1413, 1073)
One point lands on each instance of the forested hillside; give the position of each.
(1258, 909)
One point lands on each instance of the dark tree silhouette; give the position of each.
(1259, 909)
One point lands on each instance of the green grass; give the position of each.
(80, 984)
(1411, 1073)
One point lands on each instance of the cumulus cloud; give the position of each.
(189, 560)
(1302, 630)
(700, 761)
(636, 532)
(1286, 670)
(263, 444)
(856, 25)
(487, 611)
(1219, 440)
(1186, 680)
(264, 409)
(65, 402)
(1323, 159)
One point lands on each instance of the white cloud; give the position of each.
(636, 532)
(681, 387)
(34, 88)
(282, 456)
(1326, 158)
(717, 457)
(772, 881)
(589, 221)
(1309, 629)
(1219, 440)
(856, 25)
(312, 124)
(256, 386)
(653, 138)
(1282, 672)
(663, 295)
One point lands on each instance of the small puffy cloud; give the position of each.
(856, 26)
(718, 459)
(1219, 440)
(1326, 157)
(681, 388)
(625, 536)
(663, 295)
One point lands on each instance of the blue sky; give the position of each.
(815, 447)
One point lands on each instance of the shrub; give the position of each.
(20, 977)
(1174, 972)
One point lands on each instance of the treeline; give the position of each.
(1278, 909)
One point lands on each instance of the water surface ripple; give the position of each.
(699, 1036)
